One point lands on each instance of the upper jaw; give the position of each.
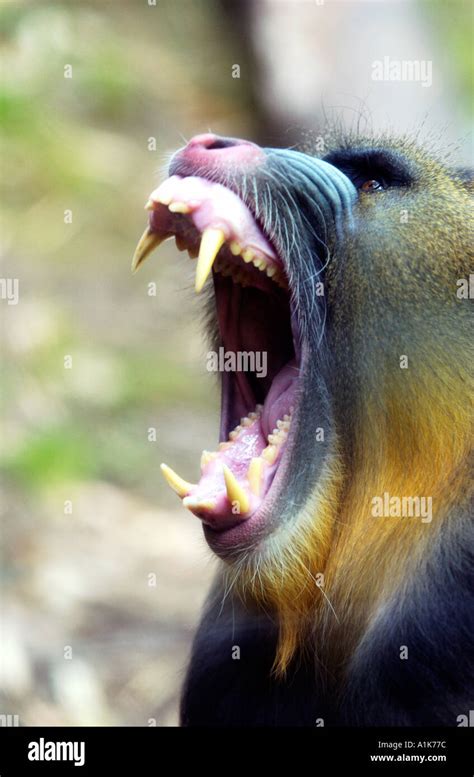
(203, 216)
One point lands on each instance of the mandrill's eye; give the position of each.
(372, 186)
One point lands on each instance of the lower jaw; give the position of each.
(250, 534)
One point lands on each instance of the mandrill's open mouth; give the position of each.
(258, 352)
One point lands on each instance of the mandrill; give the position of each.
(339, 499)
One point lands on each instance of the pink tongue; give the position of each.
(209, 497)
(280, 398)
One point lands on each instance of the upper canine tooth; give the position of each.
(182, 487)
(179, 207)
(147, 243)
(211, 242)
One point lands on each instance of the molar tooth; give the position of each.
(235, 492)
(248, 255)
(254, 474)
(211, 242)
(259, 262)
(235, 433)
(271, 271)
(182, 487)
(179, 207)
(235, 248)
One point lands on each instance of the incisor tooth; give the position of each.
(254, 474)
(194, 504)
(147, 243)
(182, 487)
(235, 492)
(211, 242)
(179, 207)
(206, 457)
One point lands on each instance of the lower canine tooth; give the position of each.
(182, 487)
(270, 453)
(235, 492)
(211, 241)
(147, 243)
(254, 474)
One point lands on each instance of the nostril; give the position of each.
(222, 143)
(210, 151)
(210, 142)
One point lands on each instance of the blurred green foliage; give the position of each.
(81, 144)
(453, 26)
